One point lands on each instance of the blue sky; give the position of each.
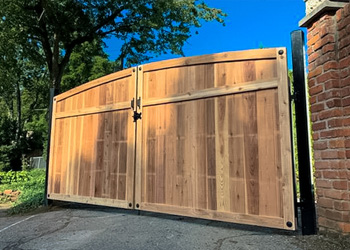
(249, 25)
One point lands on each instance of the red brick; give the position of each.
(335, 123)
(326, 29)
(334, 103)
(332, 93)
(345, 91)
(318, 126)
(313, 40)
(320, 192)
(339, 15)
(331, 174)
(326, 40)
(344, 42)
(324, 184)
(344, 73)
(316, 90)
(315, 72)
(330, 113)
(314, 56)
(315, 136)
(332, 84)
(330, 164)
(317, 155)
(334, 215)
(347, 154)
(319, 145)
(317, 107)
(341, 185)
(321, 97)
(328, 48)
(347, 143)
(314, 117)
(327, 76)
(330, 65)
(346, 102)
(336, 143)
(312, 100)
(346, 110)
(342, 205)
(312, 66)
(344, 52)
(332, 155)
(343, 23)
(335, 194)
(342, 33)
(325, 202)
(344, 227)
(311, 82)
(345, 132)
(346, 10)
(345, 62)
(331, 56)
(321, 211)
(345, 82)
(343, 174)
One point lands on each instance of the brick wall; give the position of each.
(329, 88)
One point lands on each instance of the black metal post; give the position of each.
(307, 198)
(53, 93)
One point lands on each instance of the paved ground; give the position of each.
(79, 227)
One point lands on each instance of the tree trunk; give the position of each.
(19, 113)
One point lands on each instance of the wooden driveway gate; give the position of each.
(213, 140)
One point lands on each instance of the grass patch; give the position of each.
(31, 184)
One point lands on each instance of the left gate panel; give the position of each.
(93, 143)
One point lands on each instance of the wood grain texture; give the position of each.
(213, 141)
(94, 143)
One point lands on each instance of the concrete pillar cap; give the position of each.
(315, 8)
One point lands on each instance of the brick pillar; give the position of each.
(329, 88)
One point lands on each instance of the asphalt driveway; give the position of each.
(87, 227)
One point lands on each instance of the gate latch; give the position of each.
(138, 103)
(137, 116)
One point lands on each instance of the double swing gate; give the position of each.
(206, 137)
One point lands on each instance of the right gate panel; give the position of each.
(215, 138)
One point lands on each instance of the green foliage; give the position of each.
(58, 43)
(31, 184)
(294, 131)
(87, 62)
(12, 177)
(147, 27)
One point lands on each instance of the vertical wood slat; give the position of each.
(229, 164)
(217, 157)
(285, 146)
(93, 156)
(50, 182)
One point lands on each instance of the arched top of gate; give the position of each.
(251, 55)
(256, 54)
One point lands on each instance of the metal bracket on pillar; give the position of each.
(307, 205)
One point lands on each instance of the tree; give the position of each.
(87, 62)
(146, 26)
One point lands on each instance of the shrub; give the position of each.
(31, 184)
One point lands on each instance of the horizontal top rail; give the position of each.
(255, 54)
(105, 79)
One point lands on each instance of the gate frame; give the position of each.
(280, 55)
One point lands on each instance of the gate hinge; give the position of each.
(137, 116)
